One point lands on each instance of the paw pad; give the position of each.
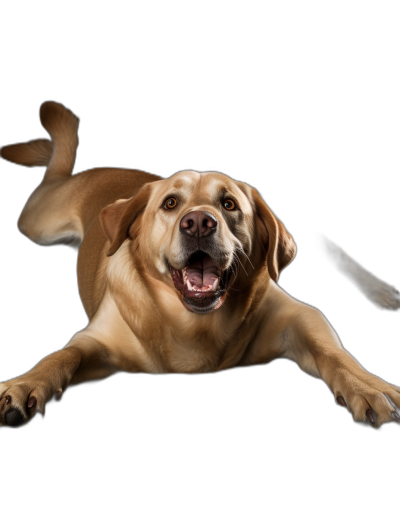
(14, 417)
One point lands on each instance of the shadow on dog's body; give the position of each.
(176, 275)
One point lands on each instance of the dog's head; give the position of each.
(200, 233)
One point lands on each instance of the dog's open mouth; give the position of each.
(201, 283)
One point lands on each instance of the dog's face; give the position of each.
(195, 230)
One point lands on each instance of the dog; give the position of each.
(175, 275)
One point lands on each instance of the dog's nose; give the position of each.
(198, 223)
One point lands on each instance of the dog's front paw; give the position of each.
(21, 398)
(368, 398)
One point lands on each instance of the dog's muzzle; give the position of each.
(202, 282)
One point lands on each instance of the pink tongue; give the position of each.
(202, 273)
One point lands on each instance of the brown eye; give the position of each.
(170, 203)
(229, 204)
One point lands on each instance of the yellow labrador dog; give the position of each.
(176, 275)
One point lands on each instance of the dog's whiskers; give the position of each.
(241, 251)
(238, 259)
(235, 271)
(234, 267)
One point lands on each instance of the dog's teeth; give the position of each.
(210, 287)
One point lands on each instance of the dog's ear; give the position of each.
(275, 238)
(117, 218)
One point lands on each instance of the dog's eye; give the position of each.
(170, 203)
(229, 204)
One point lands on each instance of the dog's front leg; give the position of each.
(80, 360)
(314, 345)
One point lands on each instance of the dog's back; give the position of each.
(63, 207)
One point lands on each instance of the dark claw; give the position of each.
(341, 401)
(14, 417)
(395, 416)
(58, 395)
(370, 415)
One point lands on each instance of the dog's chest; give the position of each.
(141, 340)
(206, 351)
(192, 357)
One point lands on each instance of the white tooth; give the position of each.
(190, 288)
(215, 285)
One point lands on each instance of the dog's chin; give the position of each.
(202, 285)
(203, 304)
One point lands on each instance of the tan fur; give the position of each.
(138, 321)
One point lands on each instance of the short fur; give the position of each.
(138, 320)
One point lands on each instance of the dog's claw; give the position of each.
(370, 416)
(31, 402)
(14, 417)
(341, 401)
(395, 416)
(58, 394)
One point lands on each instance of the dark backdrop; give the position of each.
(318, 140)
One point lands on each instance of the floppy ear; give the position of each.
(116, 218)
(277, 241)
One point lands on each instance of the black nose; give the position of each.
(198, 223)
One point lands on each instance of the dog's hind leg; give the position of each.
(381, 294)
(48, 216)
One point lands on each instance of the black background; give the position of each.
(316, 132)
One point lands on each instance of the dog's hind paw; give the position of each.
(383, 296)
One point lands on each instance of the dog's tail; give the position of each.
(59, 153)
